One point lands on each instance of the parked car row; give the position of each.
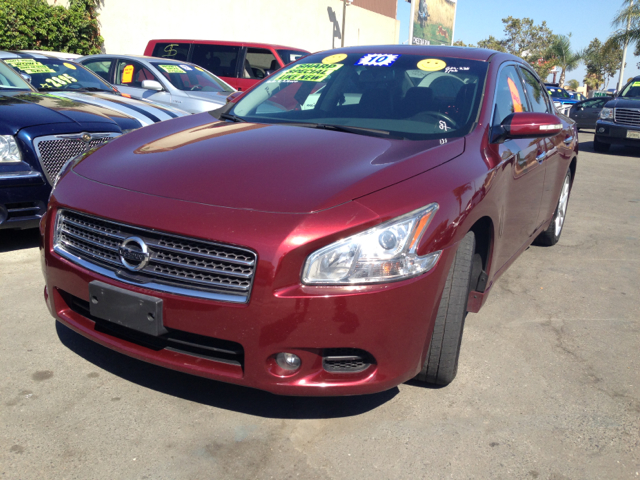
(62, 105)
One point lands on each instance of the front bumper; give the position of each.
(391, 322)
(617, 134)
(23, 200)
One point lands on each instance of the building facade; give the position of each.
(313, 25)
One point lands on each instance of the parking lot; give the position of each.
(548, 386)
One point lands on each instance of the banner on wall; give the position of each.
(432, 22)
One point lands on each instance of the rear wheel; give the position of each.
(441, 364)
(552, 234)
(599, 146)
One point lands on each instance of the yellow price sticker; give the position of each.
(172, 69)
(331, 59)
(431, 64)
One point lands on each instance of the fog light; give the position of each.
(288, 361)
(600, 130)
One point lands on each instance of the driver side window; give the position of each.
(131, 74)
(510, 96)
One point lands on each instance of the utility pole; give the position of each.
(344, 16)
(624, 50)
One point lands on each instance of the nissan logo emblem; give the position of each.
(134, 253)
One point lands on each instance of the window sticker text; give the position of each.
(172, 69)
(29, 66)
(308, 72)
(377, 60)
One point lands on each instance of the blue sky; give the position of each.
(584, 19)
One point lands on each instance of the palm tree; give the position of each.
(573, 84)
(628, 14)
(562, 56)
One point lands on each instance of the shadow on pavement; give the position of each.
(217, 394)
(18, 239)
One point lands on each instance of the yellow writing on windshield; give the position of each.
(29, 66)
(172, 69)
(308, 72)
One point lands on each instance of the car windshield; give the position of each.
(558, 93)
(406, 96)
(191, 77)
(10, 80)
(58, 74)
(632, 90)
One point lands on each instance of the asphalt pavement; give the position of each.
(548, 385)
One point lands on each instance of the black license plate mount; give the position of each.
(136, 311)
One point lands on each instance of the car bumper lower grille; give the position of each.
(627, 116)
(55, 150)
(173, 264)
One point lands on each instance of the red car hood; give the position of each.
(274, 168)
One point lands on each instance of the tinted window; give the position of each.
(632, 90)
(288, 56)
(536, 92)
(190, 77)
(407, 96)
(259, 63)
(174, 51)
(218, 59)
(100, 68)
(510, 96)
(132, 74)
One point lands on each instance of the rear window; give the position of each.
(221, 60)
(174, 51)
(289, 56)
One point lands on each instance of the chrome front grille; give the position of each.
(627, 116)
(55, 150)
(184, 266)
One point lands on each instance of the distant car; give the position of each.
(169, 82)
(561, 98)
(586, 112)
(68, 79)
(240, 64)
(619, 121)
(39, 133)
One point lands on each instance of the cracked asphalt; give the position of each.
(548, 386)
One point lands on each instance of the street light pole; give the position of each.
(344, 16)
(624, 50)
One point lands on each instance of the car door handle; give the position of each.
(568, 140)
(540, 158)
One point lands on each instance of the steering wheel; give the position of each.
(196, 88)
(450, 122)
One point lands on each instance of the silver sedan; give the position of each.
(179, 84)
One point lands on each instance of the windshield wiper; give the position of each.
(233, 118)
(343, 128)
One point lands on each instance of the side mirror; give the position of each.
(152, 85)
(526, 125)
(26, 77)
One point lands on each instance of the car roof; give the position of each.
(133, 57)
(6, 54)
(481, 54)
(226, 42)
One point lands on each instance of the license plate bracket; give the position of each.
(633, 134)
(136, 311)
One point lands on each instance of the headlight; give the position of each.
(381, 254)
(606, 114)
(9, 151)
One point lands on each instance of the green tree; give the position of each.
(573, 84)
(34, 24)
(602, 61)
(526, 40)
(561, 55)
(460, 43)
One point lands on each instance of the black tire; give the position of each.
(441, 365)
(552, 234)
(599, 146)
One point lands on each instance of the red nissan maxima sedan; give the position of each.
(325, 235)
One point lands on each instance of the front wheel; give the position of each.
(552, 234)
(441, 364)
